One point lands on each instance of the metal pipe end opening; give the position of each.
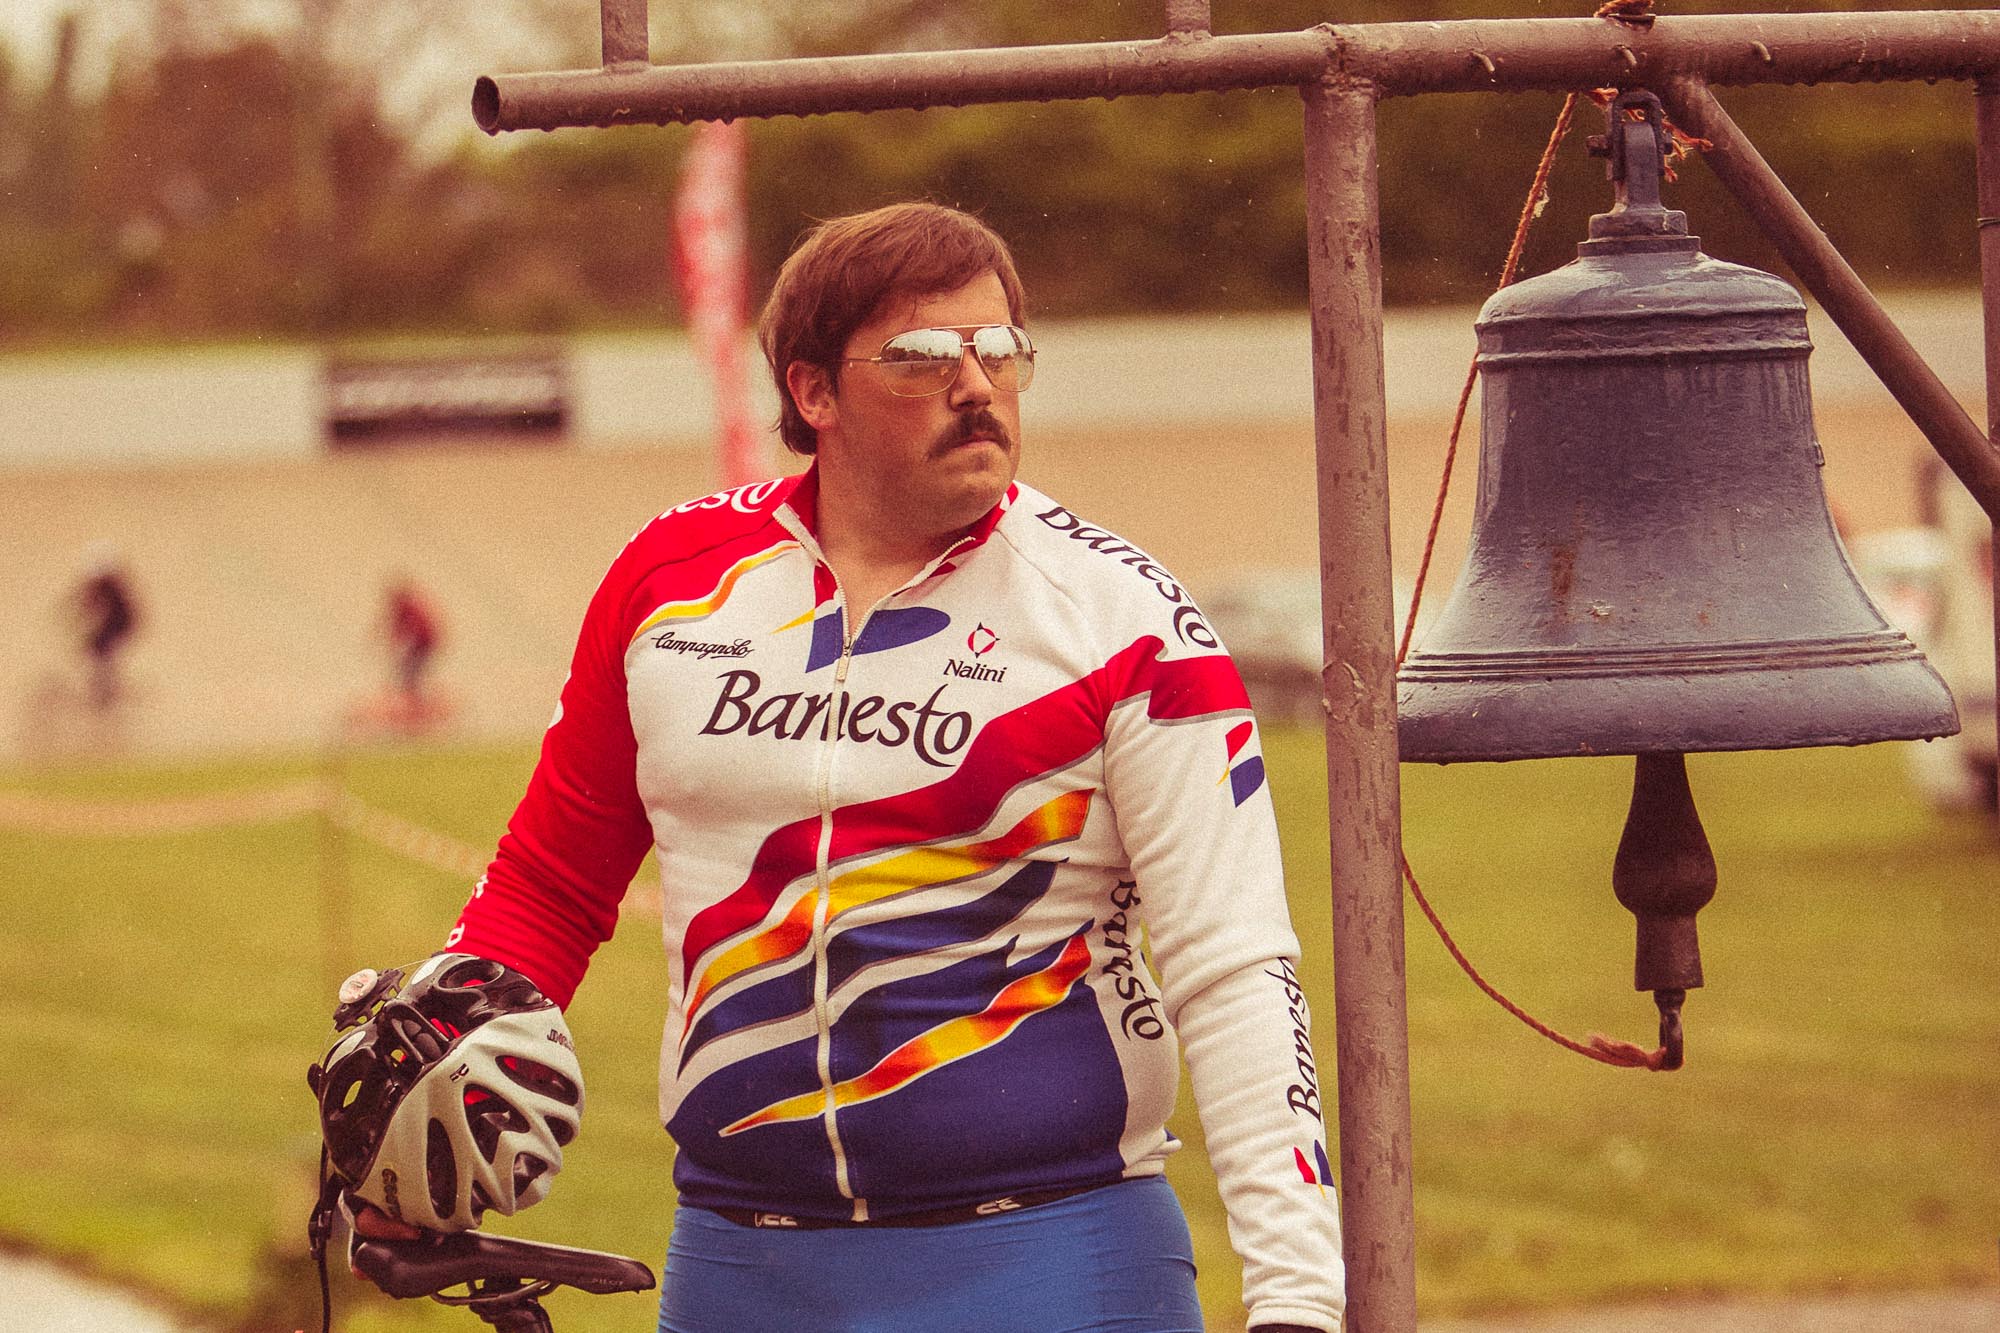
(486, 104)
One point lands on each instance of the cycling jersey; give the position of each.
(907, 854)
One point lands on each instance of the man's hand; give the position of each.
(372, 1223)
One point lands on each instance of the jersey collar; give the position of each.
(798, 511)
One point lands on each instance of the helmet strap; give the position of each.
(319, 1229)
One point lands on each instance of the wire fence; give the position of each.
(339, 808)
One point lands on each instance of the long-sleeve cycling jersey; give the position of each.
(907, 855)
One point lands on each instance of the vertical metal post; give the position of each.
(625, 37)
(1187, 18)
(1364, 819)
(1986, 103)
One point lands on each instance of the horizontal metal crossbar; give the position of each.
(1396, 59)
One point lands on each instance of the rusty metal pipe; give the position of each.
(1839, 289)
(1986, 111)
(624, 25)
(1364, 803)
(1476, 55)
(818, 85)
(1564, 55)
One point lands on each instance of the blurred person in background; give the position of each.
(413, 628)
(107, 615)
(934, 769)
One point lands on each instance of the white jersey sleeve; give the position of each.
(1194, 811)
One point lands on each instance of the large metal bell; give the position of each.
(1653, 567)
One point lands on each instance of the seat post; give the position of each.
(514, 1315)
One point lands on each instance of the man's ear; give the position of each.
(812, 392)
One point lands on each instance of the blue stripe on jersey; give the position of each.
(878, 941)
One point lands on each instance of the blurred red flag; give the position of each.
(711, 263)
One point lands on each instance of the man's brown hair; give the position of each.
(846, 267)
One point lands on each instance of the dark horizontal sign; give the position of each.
(379, 400)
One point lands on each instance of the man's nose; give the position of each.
(973, 385)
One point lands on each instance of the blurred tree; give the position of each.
(237, 173)
(52, 157)
(45, 273)
(1197, 202)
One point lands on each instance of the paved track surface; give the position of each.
(262, 582)
(36, 1297)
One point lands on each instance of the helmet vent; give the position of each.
(441, 1172)
(490, 1116)
(415, 1035)
(537, 1077)
(472, 972)
(527, 1169)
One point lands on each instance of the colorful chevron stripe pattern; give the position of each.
(1245, 778)
(952, 1040)
(739, 952)
(1324, 1174)
(1040, 738)
(709, 602)
(1058, 820)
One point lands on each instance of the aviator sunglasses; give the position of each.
(922, 362)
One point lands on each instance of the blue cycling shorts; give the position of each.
(1112, 1259)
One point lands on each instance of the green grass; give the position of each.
(1838, 1123)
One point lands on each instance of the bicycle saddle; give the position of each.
(435, 1263)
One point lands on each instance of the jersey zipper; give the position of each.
(823, 889)
(822, 909)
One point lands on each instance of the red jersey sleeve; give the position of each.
(551, 894)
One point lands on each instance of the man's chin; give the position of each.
(984, 467)
(1003, 459)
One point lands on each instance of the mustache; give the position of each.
(968, 425)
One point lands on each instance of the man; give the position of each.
(921, 753)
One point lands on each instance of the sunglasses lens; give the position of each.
(926, 361)
(1006, 355)
(921, 361)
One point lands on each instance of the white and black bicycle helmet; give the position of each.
(450, 1089)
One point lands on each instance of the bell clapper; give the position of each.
(1664, 873)
(1671, 1039)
